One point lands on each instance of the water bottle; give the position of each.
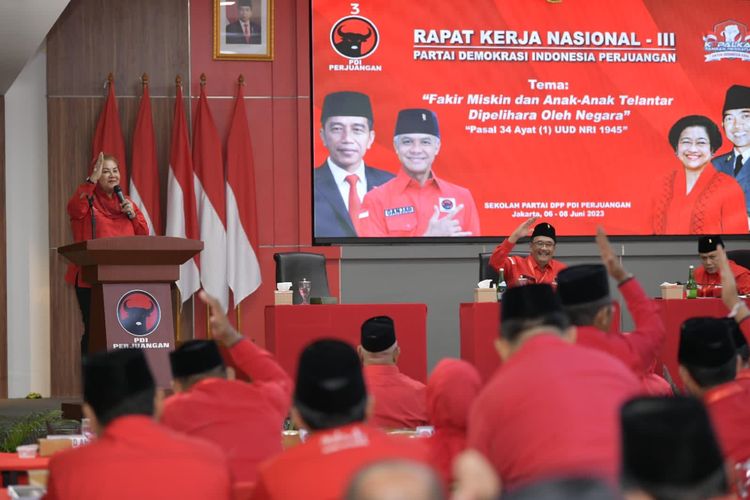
(501, 284)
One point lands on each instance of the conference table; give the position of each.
(480, 327)
(290, 328)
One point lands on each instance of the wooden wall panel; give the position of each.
(91, 39)
(3, 263)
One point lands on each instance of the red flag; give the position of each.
(144, 179)
(182, 220)
(108, 135)
(209, 195)
(243, 270)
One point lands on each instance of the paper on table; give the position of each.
(484, 284)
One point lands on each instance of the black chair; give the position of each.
(740, 257)
(486, 271)
(293, 266)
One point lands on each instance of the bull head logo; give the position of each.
(358, 40)
(136, 319)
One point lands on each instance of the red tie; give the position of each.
(246, 31)
(354, 203)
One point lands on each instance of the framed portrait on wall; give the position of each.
(243, 29)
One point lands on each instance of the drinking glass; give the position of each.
(87, 430)
(304, 287)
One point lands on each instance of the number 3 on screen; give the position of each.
(355, 8)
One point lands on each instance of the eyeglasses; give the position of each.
(543, 244)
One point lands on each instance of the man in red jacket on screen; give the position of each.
(418, 202)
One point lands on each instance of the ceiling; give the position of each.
(23, 26)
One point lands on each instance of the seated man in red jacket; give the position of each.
(244, 419)
(584, 293)
(552, 408)
(331, 402)
(708, 366)
(709, 274)
(539, 266)
(400, 401)
(133, 456)
(669, 450)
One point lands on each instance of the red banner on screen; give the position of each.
(555, 110)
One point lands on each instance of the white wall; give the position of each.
(27, 225)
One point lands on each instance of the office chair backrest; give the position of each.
(293, 266)
(486, 271)
(740, 257)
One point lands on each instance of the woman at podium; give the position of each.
(99, 209)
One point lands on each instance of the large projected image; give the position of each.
(435, 118)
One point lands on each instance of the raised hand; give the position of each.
(445, 226)
(522, 230)
(97, 172)
(221, 329)
(729, 287)
(610, 260)
(127, 208)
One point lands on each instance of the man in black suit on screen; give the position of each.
(342, 181)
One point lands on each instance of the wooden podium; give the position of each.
(131, 298)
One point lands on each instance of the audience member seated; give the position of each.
(399, 400)
(669, 451)
(396, 480)
(584, 292)
(740, 343)
(709, 274)
(133, 456)
(540, 266)
(451, 389)
(552, 409)
(244, 419)
(330, 401)
(708, 366)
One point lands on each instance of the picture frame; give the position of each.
(243, 30)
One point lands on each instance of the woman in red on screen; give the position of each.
(96, 212)
(697, 199)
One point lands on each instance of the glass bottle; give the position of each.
(691, 287)
(501, 284)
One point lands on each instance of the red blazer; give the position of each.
(400, 401)
(108, 222)
(137, 458)
(729, 407)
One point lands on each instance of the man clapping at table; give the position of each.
(244, 419)
(133, 456)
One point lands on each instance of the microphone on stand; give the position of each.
(121, 197)
(93, 217)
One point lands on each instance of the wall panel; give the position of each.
(3, 254)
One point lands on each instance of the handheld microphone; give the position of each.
(121, 197)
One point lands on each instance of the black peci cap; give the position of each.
(193, 357)
(329, 377)
(529, 302)
(709, 243)
(417, 121)
(378, 334)
(544, 229)
(111, 377)
(738, 97)
(705, 343)
(582, 284)
(346, 103)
